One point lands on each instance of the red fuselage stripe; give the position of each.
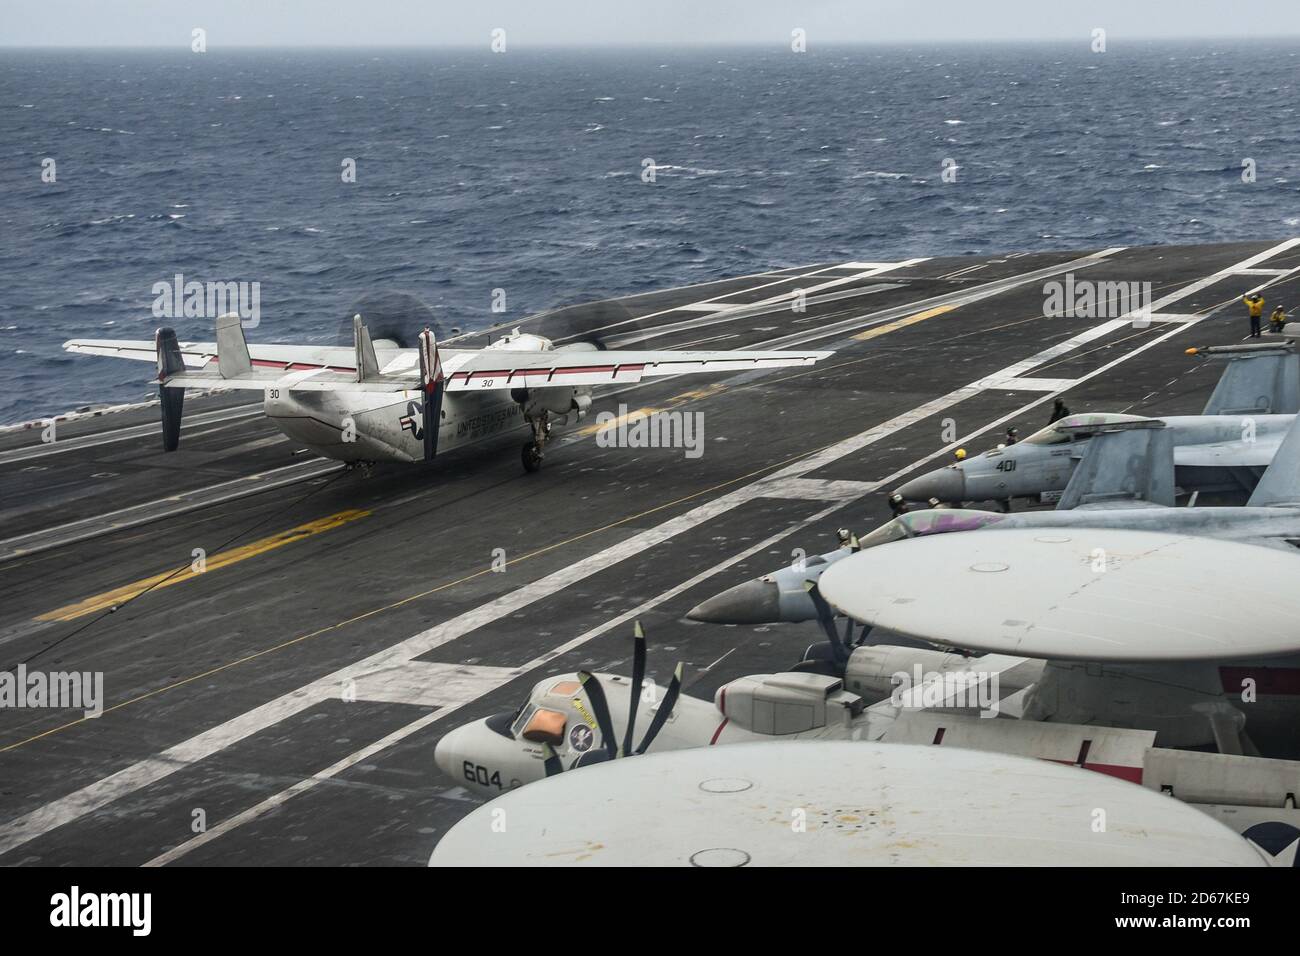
(718, 733)
(1283, 681)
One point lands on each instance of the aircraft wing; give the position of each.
(1131, 465)
(327, 368)
(1227, 454)
(1076, 594)
(503, 368)
(199, 354)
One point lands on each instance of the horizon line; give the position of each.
(1081, 41)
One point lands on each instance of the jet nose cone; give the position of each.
(946, 484)
(754, 602)
(447, 753)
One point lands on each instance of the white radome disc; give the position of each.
(1088, 594)
(841, 803)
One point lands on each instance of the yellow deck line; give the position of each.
(902, 323)
(108, 599)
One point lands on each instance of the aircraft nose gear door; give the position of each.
(532, 450)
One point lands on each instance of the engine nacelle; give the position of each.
(788, 703)
(557, 400)
(871, 671)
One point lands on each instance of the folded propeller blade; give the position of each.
(826, 618)
(638, 676)
(551, 761)
(664, 712)
(596, 694)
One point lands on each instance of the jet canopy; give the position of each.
(916, 524)
(1062, 431)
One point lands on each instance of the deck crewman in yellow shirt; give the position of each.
(1277, 321)
(1255, 303)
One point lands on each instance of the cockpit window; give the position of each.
(521, 721)
(915, 524)
(564, 688)
(545, 727)
(889, 531)
(943, 520)
(1086, 421)
(1048, 436)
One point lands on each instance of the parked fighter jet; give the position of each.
(1223, 449)
(1123, 478)
(1187, 686)
(570, 721)
(378, 402)
(844, 804)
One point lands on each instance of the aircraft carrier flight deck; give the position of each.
(282, 705)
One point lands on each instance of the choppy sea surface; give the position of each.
(523, 172)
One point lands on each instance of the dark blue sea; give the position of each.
(522, 171)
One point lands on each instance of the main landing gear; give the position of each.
(532, 452)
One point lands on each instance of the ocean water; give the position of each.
(522, 172)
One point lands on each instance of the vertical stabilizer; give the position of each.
(232, 350)
(171, 400)
(431, 387)
(1258, 379)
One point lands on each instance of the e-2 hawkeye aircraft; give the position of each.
(570, 722)
(834, 803)
(378, 402)
(1222, 450)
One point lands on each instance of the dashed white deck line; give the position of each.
(1167, 317)
(1262, 272)
(958, 273)
(389, 661)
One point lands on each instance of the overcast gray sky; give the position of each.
(595, 22)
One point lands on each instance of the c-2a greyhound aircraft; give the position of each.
(374, 401)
